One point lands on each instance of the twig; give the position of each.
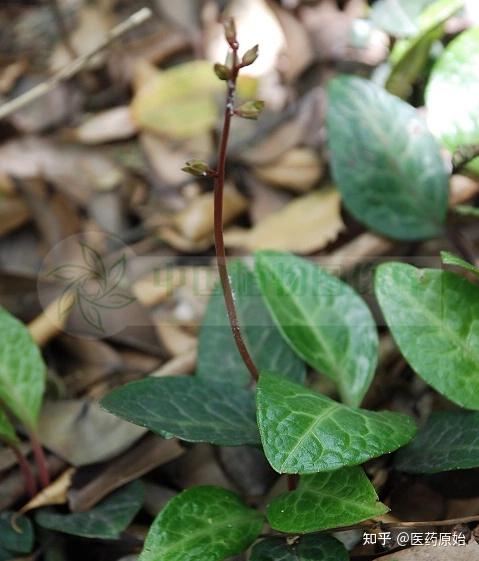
(463, 156)
(75, 66)
(218, 215)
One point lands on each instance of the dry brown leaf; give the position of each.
(305, 225)
(109, 125)
(298, 53)
(462, 189)
(195, 222)
(148, 454)
(340, 36)
(168, 158)
(439, 553)
(75, 171)
(54, 494)
(10, 74)
(82, 433)
(298, 169)
(93, 27)
(14, 213)
(176, 340)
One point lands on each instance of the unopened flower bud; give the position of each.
(250, 109)
(222, 71)
(198, 168)
(230, 32)
(250, 56)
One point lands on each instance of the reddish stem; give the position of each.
(40, 459)
(30, 483)
(292, 482)
(218, 219)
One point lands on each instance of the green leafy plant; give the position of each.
(22, 384)
(262, 325)
(265, 326)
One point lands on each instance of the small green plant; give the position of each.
(263, 325)
(22, 384)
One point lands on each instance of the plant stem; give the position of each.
(40, 459)
(218, 220)
(30, 483)
(292, 482)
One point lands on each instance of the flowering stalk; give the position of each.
(250, 110)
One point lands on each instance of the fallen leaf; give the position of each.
(147, 455)
(82, 433)
(298, 170)
(306, 224)
(54, 494)
(196, 221)
(14, 213)
(179, 102)
(92, 30)
(109, 125)
(176, 341)
(75, 171)
(298, 53)
(10, 74)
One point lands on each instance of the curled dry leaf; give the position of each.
(195, 222)
(109, 125)
(298, 169)
(306, 224)
(54, 494)
(147, 455)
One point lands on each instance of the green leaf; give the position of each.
(22, 370)
(308, 548)
(218, 356)
(7, 432)
(323, 319)
(188, 408)
(449, 440)
(452, 94)
(6, 555)
(202, 524)
(326, 500)
(106, 521)
(16, 533)
(432, 315)
(451, 259)
(398, 17)
(410, 56)
(305, 432)
(385, 161)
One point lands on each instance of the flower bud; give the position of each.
(250, 109)
(250, 56)
(198, 168)
(230, 32)
(222, 71)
